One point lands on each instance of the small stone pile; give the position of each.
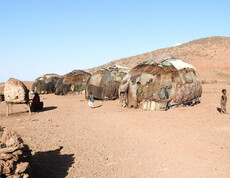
(14, 155)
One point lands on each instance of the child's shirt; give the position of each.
(91, 98)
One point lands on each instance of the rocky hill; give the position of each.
(205, 53)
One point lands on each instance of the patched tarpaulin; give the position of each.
(45, 84)
(160, 83)
(104, 84)
(73, 82)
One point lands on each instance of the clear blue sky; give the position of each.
(53, 36)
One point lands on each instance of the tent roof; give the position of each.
(76, 76)
(115, 67)
(167, 61)
(47, 76)
(159, 59)
(78, 72)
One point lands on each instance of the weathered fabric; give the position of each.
(74, 81)
(45, 84)
(166, 81)
(104, 84)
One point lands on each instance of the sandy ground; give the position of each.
(111, 141)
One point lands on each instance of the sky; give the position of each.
(57, 36)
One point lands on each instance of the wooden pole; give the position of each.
(7, 109)
(11, 108)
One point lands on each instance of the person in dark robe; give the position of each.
(36, 105)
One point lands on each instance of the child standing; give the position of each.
(91, 100)
(223, 101)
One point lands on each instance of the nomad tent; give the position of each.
(74, 81)
(15, 92)
(104, 84)
(45, 84)
(161, 83)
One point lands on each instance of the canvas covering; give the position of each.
(74, 81)
(159, 83)
(104, 84)
(45, 84)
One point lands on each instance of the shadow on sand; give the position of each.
(98, 106)
(51, 164)
(47, 109)
(218, 109)
(15, 114)
(26, 112)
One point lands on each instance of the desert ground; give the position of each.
(69, 139)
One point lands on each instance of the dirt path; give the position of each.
(111, 141)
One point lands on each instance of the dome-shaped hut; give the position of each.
(161, 83)
(104, 84)
(74, 81)
(15, 91)
(45, 84)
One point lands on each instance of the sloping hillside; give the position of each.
(209, 52)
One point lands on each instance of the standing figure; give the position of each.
(91, 100)
(223, 101)
(36, 105)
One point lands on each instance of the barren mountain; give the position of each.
(209, 55)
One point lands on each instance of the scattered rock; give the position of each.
(14, 155)
(21, 167)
